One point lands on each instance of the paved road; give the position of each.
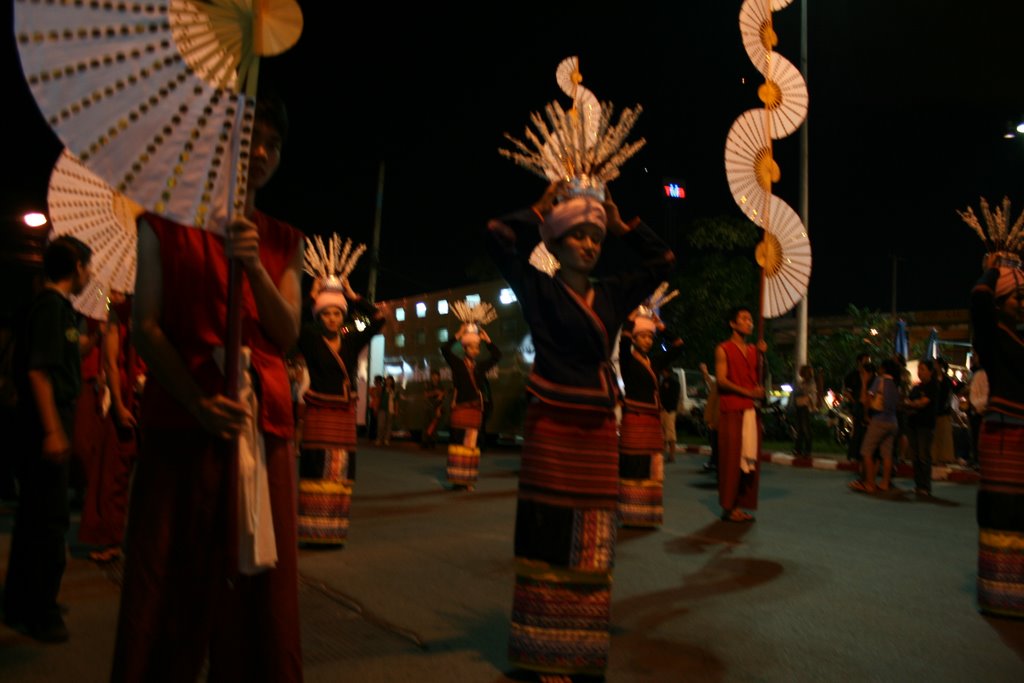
(827, 585)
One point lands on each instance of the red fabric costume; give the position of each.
(736, 488)
(180, 596)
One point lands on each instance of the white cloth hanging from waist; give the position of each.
(748, 442)
(257, 546)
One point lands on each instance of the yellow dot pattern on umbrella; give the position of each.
(784, 254)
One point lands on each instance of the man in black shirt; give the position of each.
(48, 368)
(852, 389)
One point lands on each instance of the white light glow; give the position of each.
(421, 310)
(507, 296)
(34, 219)
(400, 314)
(442, 307)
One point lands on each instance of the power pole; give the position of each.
(371, 288)
(801, 309)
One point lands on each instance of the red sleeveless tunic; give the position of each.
(194, 318)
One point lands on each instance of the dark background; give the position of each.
(908, 106)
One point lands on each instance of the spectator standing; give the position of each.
(387, 410)
(921, 406)
(48, 377)
(942, 445)
(669, 389)
(883, 397)
(805, 400)
(373, 407)
(711, 418)
(433, 394)
(853, 395)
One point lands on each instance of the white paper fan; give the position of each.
(80, 204)
(222, 40)
(784, 94)
(785, 255)
(112, 85)
(749, 166)
(756, 28)
(569, 79)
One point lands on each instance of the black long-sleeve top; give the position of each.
(641, 372)
(1001, 349)
(573, 341)
(467, 383)
(331, 373)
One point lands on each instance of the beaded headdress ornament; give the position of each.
(473, 315)
(331, 264)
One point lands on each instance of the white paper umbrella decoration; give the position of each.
(222, 40)
(80, 204)
(749, 166)
(784, 94)
(785, 256)
(569, 79)
(111, 82)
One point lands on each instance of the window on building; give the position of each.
(421, 310)
(442, 307)
(400, 340)
(400, 314)
(442, 335)
(421, 337)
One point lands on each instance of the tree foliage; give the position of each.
(715, 271)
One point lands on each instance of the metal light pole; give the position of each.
(371, 288)
(801, 310)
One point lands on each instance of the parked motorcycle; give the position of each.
(840, 423)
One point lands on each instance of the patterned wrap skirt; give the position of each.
(641, 468)
(1000, 511)
(463, 466)
(467, 415)
(565, 541)
(327, 469)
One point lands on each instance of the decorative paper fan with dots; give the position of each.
(80, 204)
(111, 81)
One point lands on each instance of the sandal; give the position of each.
(860, 487)
(737, 515)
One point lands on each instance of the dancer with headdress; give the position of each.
(641, 439)
(568, 483)
(327, 460)
(468, 375)
(997, 323)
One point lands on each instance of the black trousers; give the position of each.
(38, 554)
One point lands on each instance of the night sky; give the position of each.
(907, 111)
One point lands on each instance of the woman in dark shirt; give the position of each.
(327, 461)
(568, 483)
